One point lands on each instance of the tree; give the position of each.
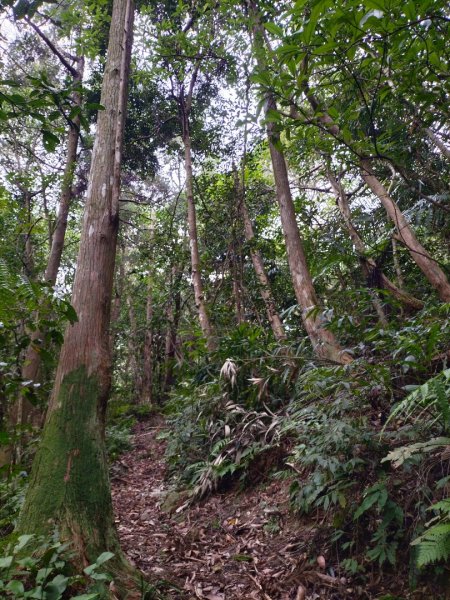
(323, 340)
(69, 488)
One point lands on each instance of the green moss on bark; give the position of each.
(69, 489)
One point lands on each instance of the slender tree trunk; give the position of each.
(261, 275)
(69, 487)
(147, 370)
(132, 362)
(405, 233)
(397, 268)
(147, 375)
(59, 232)
(368, 264)
(173, 317)
(28, 256)
(32, 362)
(323, 341)
(24, 413)
(200, 304)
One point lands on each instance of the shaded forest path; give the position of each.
(234, 545)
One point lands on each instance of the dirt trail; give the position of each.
(232, 546)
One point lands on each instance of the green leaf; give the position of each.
(104, 557)
(6, 562)
(367, 503)
(94, 106)
(50, 140)
(274, 29)
(55, 589)
(16, 587)
(22, 542)
(375, 13)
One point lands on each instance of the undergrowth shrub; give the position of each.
(41, 568)
(330, 426)
(12, 494)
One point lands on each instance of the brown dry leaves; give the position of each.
(231, 546)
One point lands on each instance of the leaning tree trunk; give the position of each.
(368, 264)
(205, 323)
(405, 233)
(323, 341)
(69, 488)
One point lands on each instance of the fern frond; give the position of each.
(433, 545)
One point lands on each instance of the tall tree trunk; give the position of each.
(323, 341)
(132, 367)
(69, 487)
(146, 396)
(368, 264)
(147, 374)
(59, 232)
(260, 271)
(117, 301)
(405, 233)
(205, 323)
(173, 317)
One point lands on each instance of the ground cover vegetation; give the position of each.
(231, 219)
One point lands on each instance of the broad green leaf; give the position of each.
(16, 587)
(274, 29)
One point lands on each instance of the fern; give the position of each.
(434, 394)
(434, 544)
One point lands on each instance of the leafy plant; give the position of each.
(434, 544)
(45, 573)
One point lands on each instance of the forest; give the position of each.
(224, 299)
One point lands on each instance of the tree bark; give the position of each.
(69, 487)
(132, 367)
(324, 343)
(205, 323)
(117, 301)
(405, 233)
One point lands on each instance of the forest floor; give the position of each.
(239, 544)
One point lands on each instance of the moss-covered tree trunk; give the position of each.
(69, 488)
